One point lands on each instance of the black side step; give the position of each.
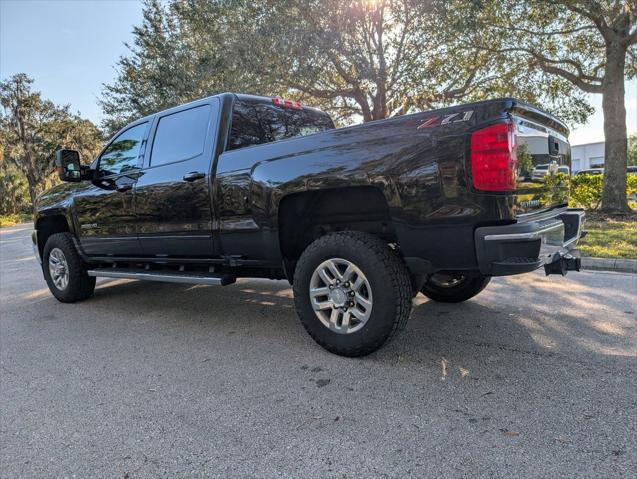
(164, 276)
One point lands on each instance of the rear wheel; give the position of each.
(352, 292)
(453, 287)
(64, 270)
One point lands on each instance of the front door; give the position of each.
(172, 194)
(105, 210)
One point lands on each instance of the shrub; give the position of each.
(631, 185)
(586, 190)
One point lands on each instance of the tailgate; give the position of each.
(544, 160)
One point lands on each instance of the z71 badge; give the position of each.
(446, 119)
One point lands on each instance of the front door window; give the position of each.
(121, 155)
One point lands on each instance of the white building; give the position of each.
(590, 155)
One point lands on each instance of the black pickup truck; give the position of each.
(357, 219)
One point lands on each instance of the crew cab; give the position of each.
(358, 219)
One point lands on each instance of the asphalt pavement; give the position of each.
(535, 377)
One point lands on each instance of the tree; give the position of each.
(357, 59)
(178, 54)
(32, 129)
(376, 59)
(15, 191)
(589, 43)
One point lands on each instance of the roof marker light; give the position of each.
(283, 103)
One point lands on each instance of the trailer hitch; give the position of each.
(561, 263)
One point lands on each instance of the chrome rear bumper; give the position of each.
(527, 245)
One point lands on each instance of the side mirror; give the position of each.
(67, 164)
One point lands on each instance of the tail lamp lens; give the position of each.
(494, 160)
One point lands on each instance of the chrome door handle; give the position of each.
(194, 175)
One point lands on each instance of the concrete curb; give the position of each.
(619, 265)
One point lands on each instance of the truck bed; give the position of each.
(418, 162)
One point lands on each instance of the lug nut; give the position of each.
(338, 281)
(351, 304)
(346, 284)
(331, 286)
(351, 294)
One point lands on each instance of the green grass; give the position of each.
(610, 237)
(10, 220)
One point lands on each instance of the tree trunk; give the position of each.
(616, 146)
(33, 192)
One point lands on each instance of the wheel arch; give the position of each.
(306, 216)
(49, 225)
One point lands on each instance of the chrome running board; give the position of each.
(164, 276)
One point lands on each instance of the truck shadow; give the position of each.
(525, 321)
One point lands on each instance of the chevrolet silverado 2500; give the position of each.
(358, 219)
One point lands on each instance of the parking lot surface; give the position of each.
(535, 377)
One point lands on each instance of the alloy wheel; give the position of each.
(58, 269)
(341, 296)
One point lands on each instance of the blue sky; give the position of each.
(70, 48)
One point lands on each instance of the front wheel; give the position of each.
(64, 270)
(453, 287)
(351, 292)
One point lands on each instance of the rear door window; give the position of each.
(180, 136)
(258, 122)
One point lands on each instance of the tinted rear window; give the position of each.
(254, 123)
(180, 135)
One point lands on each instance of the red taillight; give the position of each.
(494, 160)
(278, 101)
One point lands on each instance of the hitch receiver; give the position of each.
(561, 263)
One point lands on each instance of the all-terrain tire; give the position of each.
(80, 285)
(390, 286)
(466, 289)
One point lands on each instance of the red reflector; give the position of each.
(278, 101)
(494, 160)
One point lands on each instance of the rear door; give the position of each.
(172, 194)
